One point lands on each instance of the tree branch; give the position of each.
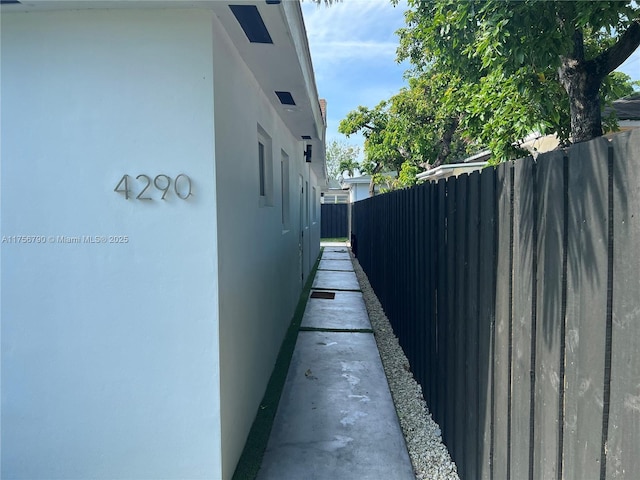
(615, 55)
(578, 45)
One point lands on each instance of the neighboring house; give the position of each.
(359, 187)
(471, 164)
(139, 334)
(627, 111)
(449, 170)
(335, 193)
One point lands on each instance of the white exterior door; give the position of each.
(301, 228)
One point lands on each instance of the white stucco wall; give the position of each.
(314, 228)
(358, 191)
(260, 260)
(144, 359)
(110, 351)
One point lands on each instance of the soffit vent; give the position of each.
(5, 2)
(285, 98)
(251, 22)
(306, 137)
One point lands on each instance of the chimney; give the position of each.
(323, 109)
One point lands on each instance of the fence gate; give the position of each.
(334, 220)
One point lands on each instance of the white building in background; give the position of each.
(334, 193)
(158, 220)
(358, 187)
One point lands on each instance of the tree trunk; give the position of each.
(372, 185)
(582, 82)
(445, 143)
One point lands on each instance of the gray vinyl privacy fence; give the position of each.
(515, 293)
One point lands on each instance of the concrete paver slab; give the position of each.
(344, 265)
(346, 311)
(336, 255)
(336, 418)
(334, 247)
(331, 280)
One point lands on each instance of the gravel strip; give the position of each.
(429, 456)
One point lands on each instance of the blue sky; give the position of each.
(353, 49)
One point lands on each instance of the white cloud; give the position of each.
(339, 50)
(353, 47)
(347, 19)
(353, 29)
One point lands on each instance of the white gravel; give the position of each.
(429, 456)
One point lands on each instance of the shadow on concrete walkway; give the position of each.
(336, 419)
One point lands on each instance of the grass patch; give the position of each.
(251, 458)
(341, 239)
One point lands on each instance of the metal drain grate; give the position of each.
(325, 295)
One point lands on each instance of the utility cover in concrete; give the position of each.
(323, 294)
(341, 265)
(331, 280)
(336, 418)
(346, 311)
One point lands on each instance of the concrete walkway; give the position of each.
(336, 419)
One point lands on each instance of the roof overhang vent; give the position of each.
(285, 98)
(251, 22)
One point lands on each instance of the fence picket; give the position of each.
(502, 364)
(460, 249)
(523, 320)
(551, 314)
(442, 306)
(624, 420)
(472, 362)
(487, 247)
(586, 310)
(451, 406)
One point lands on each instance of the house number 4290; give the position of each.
(161, 183)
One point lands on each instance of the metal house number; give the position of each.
(162, 183)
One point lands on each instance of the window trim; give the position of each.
(285, 191)
(265, 168)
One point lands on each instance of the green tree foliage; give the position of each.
(341, 157)
(523, 65)
(617, 85)
(349, 166)
(377, 127)
(413, 130)
(427, 114)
